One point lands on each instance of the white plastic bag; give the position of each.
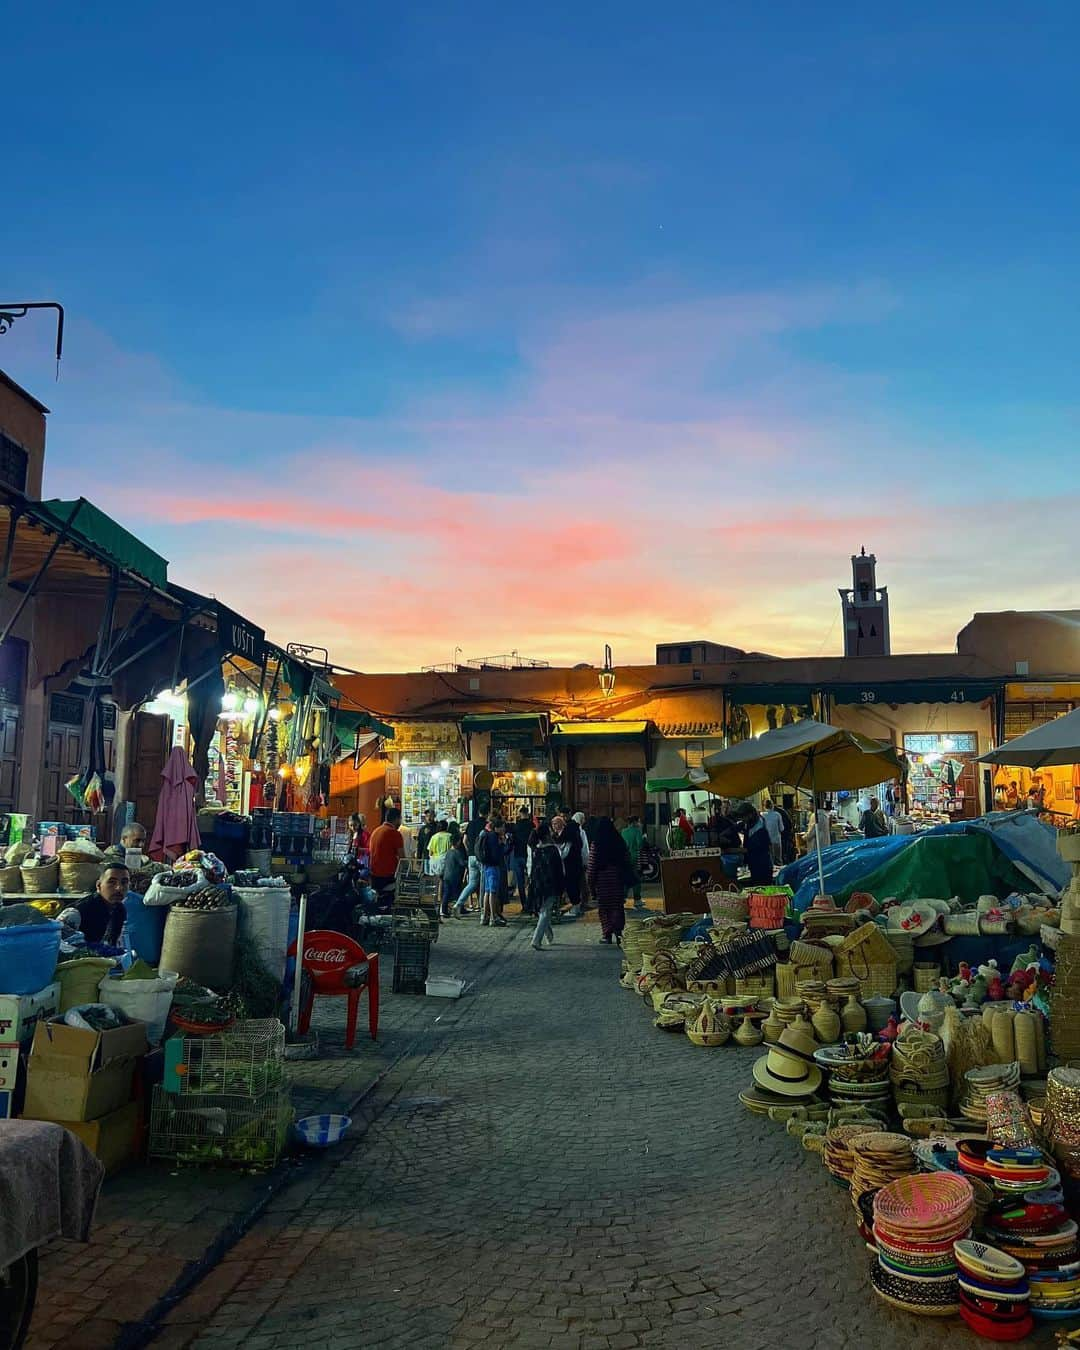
(146, 1001)
(157, 894)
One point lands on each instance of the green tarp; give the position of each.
(348, 725)
(940, 865)
(104, 536)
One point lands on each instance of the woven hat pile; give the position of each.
(994, 1292)
(877, 1159)
(789, 1068)
(917, 1219)
(1061, 1118)
(919, 1073)
(981, 1082)
(836, 1154)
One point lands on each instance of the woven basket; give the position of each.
(925, 977)
(10, 880)
(754, 986)
(78, 872)
(708, 1038)
(728, 905)
(805, 956)
(868, 959)
(767, 911)
(965, 924)
(787, 977)
(41, 880)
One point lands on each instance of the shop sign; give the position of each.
(438, 739)
(914, 691)
(1064, 691)
(237, 636)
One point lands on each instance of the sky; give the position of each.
(415, 328)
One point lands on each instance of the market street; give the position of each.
(548, 1170)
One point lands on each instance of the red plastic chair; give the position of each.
(327, 956)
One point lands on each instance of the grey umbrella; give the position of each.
(1057, 742)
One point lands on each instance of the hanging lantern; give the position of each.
(607, 675)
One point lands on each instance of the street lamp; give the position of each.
(607, 675)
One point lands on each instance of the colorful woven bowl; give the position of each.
(987, 1263)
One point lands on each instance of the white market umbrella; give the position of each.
(806, 754)
(1056, 742)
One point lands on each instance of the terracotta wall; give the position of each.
(24, 423)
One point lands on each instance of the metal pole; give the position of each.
(817, 825)
(294, 1008)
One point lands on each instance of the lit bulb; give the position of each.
(229, 701)
(274, 714)
(435, 774)
(404, 763)
(541, 776)
(251, 706)
(445, 764)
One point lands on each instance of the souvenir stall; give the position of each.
(945, 1106)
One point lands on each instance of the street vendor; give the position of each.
(132, 836)
(757, 845)
(103, 913)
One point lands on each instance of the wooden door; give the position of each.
(150, 744)
(63, 758)
(12, 685)
(610, 792)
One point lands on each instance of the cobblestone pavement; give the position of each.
(158, 1229)
(546, 1169)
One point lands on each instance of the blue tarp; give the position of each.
(1028, 845)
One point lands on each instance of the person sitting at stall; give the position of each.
(872, 822)
(132, 836)
(102, 914)
(757, 844)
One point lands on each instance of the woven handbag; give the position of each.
(42, 880)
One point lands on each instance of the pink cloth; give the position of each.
(175, 830)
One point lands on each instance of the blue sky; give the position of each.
(700, 299)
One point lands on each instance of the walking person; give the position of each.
(522, 832)
(547, 877)
(774, 824)
(574, 850)
(873, 823)
(423, 835)
(454, 864)
(489, 850)
(474, 875)
(634, 838)
(438, 847)
(609, 875)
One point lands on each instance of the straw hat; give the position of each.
(789, 1067)
(914, 919)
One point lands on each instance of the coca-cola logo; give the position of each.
(334, 956)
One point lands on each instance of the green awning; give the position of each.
(954, 692)
(103, 535)
(347, 725)
(500, 722)
(588, 731)
(765, 694)
(682, 784)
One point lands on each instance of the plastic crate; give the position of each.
(220, 1130)
(412, 960)
(245, 1061)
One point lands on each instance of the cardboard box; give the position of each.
(81, 1075)
(20, 1014)
(82, 832)
(9, 1067)
(111, 1138)
(51, 829)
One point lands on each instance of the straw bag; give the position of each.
(926, 977)
(728, 905)
(79, 872)
(993, 925)
(40, 880)
(964, 924)
(867, 956)
(10, 880)
(754, 986)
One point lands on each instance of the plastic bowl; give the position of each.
(322, 1131)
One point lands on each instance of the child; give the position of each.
(489, 849)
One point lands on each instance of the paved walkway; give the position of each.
(546, 1169)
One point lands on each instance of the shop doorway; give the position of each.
(610, 792)
(150, 743)
(943, 778)
(64, 759)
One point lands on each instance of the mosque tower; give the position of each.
(866, 610)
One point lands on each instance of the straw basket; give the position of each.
(925, 976)
(40, 880)
(728, 905)
(810, 962)
(767, 911)
(787, 977)
(708, 1038)
(754, 986)
(866, 956)
(964, 924)
(10, 880)
(78, 872)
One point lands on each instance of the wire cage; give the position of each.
(416, 901)
(412, 960)
(220, 1130)
(245, 1061)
